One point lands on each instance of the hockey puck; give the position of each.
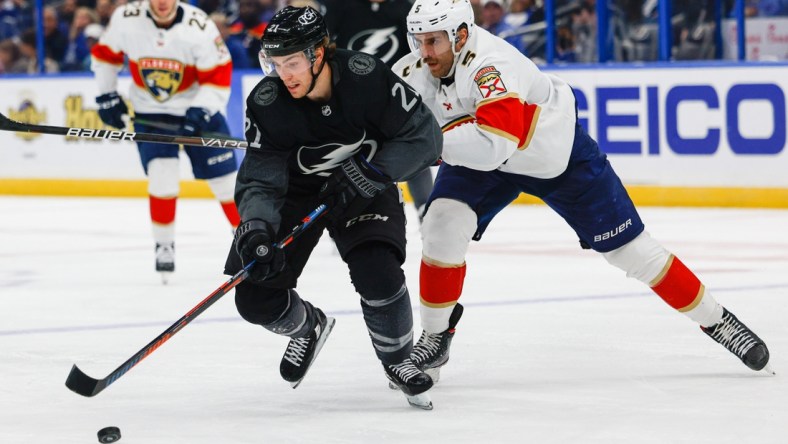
(109, 434)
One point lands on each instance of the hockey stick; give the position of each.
(85, 385)
(7, 124)
(172, 127)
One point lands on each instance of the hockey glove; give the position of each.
(111, 109)
(350, 189)
(196, 121)
(253, 242)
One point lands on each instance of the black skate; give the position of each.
(412, 381)
(741, 341)
(301, 352)
(165, 260)
(431, 352)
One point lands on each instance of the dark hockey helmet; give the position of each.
(293, 29)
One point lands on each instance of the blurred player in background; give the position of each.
(511, 129)
(182, 71)
(246, 32)
(377, 27)
(329, 126)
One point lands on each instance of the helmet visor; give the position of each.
(430, 44)
(286, 65)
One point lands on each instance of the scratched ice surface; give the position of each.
(555, 346)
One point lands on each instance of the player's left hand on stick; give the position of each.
(351, 188)
(111, 110)
(196, 121)
(254, 242)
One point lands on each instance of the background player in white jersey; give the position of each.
(181, 70)
(509, 128)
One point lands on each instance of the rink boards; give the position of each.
(677, 134)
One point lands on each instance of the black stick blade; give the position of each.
(82, 384)
(6, 123)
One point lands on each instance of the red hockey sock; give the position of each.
(678, 286)
(439, 286)
(231, 211)
(162, 209)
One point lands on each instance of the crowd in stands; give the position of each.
(72, 27)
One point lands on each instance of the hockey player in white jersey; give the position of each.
(509, 128)
(181, 72)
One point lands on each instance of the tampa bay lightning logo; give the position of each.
(382, 43)
(322, 159)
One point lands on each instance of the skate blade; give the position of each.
(421, 401)
(322, 340)
(165, 277)
(768, 369)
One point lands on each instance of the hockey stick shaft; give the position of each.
(7, 124)
(172, 127)
(81, 383)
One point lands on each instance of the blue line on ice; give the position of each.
(550, 300)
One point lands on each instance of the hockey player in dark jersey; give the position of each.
(377, 27)
(335, 127)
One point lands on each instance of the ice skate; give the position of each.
(413, 382)
(741, 341)
(165, 260)
(431, 352)
(301, 352)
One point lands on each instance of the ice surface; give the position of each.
(555, 346)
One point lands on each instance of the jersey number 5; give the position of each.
(406, 105)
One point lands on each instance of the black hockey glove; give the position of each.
(196, 121)
(111, 109)
(350, 189)
(253, 242)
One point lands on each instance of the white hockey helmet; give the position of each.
(439, 15)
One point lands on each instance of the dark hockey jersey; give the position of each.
(297, 143)
(374, 28)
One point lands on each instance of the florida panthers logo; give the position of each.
(322, 159)
(489, 81)
(161, 77)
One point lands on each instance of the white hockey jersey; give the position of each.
(501, 112)
(173, 69)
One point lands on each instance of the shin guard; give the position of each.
(678, 286)
(648, 261)
(297, 319)
(385, 303)
(681, 289)
(223, 187)
(441, 288)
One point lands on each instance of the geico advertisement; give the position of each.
(710, 126)
(704, 126)
(64, 102)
